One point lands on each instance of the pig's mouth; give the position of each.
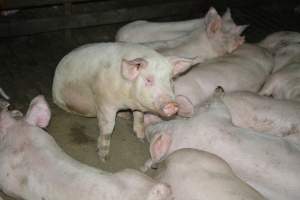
(168, 109)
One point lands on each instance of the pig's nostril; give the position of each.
(170, 109)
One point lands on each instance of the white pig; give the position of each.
(97, 80)
(263, 114)
(215, 37)
(244, 70)
(285, 83)
(268, 163)
(212, 40)
(34, 167)
(142, 31)
(281, 45)
(197, 175)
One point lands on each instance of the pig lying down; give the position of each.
(98, 80)
(281, 44)
(263, 114)
(212, 40)
(268, 163)
(143, 31)
(285, 83)
(34, 167)
(244, 70)
(197, 175)
(211, 37)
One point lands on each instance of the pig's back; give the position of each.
(233, 72)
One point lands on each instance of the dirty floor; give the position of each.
(27, 67)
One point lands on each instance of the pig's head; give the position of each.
(152, 84)
(38, 115)
(223, 33)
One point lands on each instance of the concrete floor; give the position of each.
(27, 67)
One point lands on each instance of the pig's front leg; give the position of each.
(106, 122)
(138, 124)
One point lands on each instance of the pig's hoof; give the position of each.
(103, 156)
(142, 140)
(104, 159)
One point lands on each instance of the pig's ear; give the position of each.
(6, 120)
(38, 113)
(227, 15)
(213, 22)
(130, 69)
(186, 108)
(160, 145)
(180, 65)
(240, 29)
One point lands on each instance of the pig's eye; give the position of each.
(149, 81)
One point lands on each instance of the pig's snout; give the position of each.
(169, 109)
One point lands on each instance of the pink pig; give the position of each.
(34, 167)
(268, 163)
(98, 80)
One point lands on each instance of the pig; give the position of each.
(215, 37)
(285, 83)
(212, 40)
(263, 114)
(268, 163)
(97, 80)
(279, 44)
(34, 167)
(195, 174)
(244, 70)
(142, 31)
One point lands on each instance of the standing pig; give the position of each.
(196, 175)
(268, 163)
(285, 83)
(263, 114)
(34, 167)
(244, 70)
(100, 79)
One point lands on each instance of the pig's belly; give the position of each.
(77, 99)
